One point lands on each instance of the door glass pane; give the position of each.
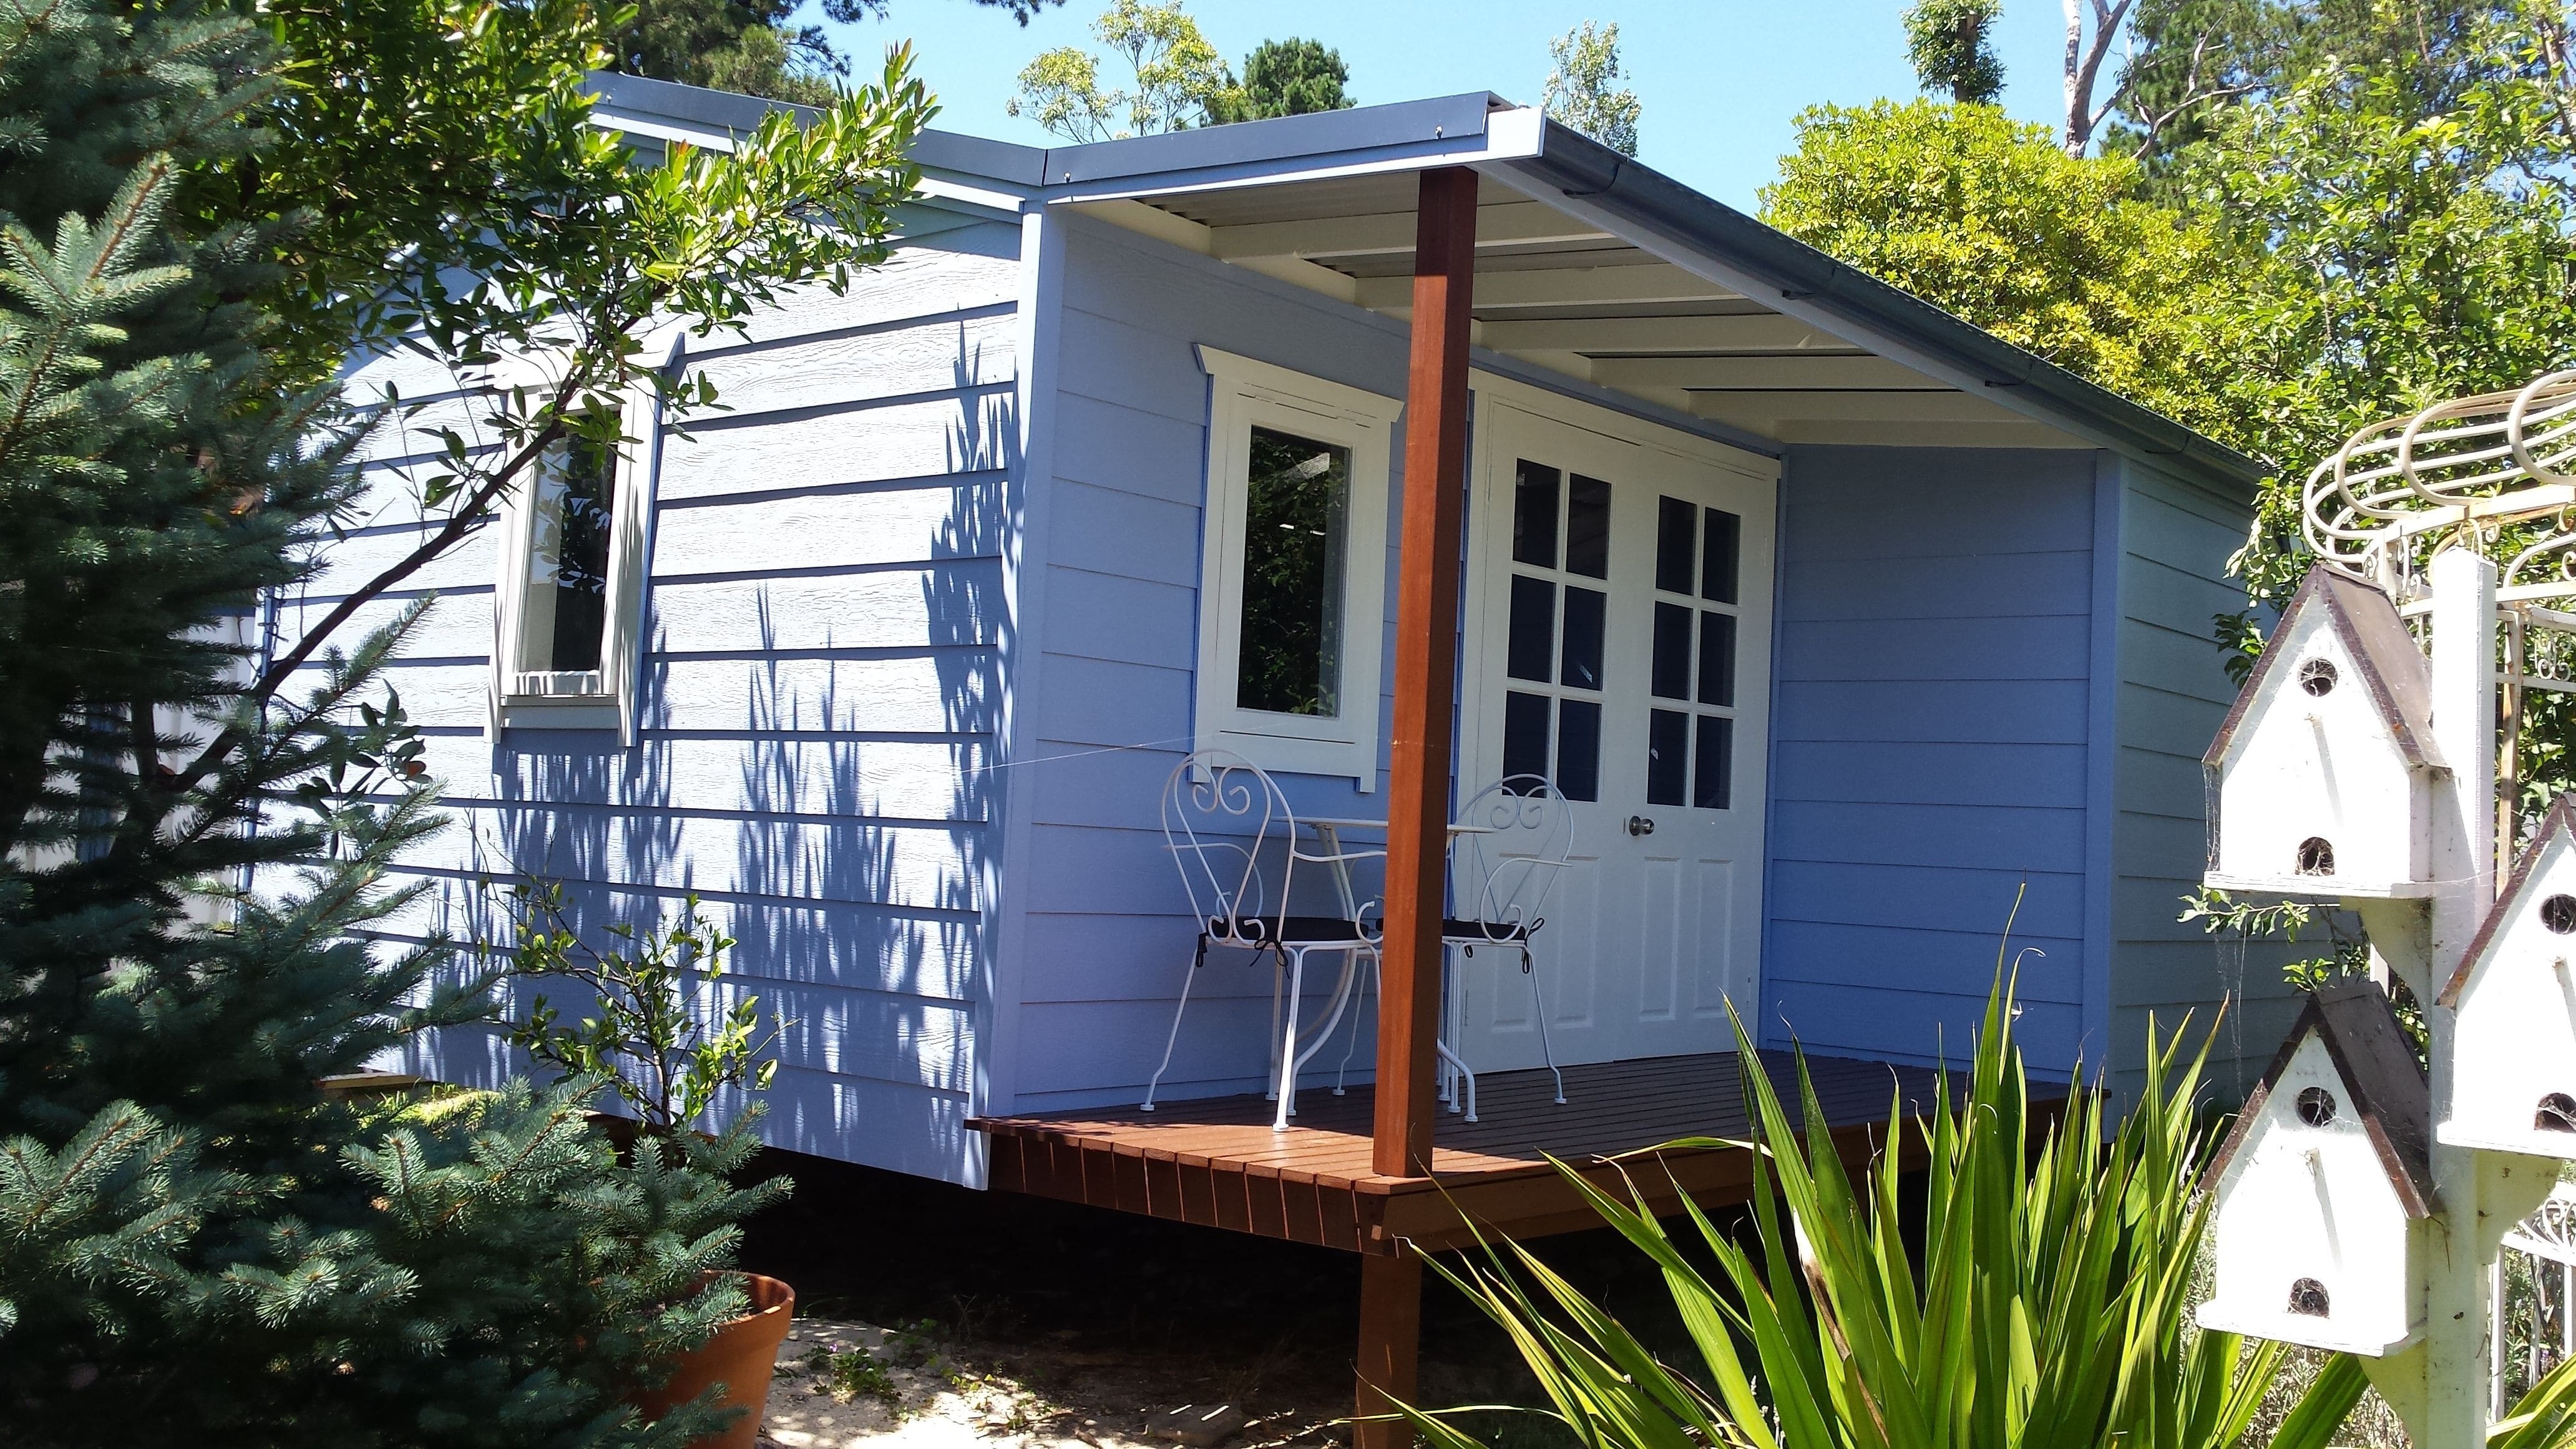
(1716, 658)
(1672, 671)
(1675, 544)
(1534, 514)
(1712, 788)
(574, 562)
(1524, 733)
(1723, 554)
(1533, 633)
(1585, 613)
(1667, 758)
(1295, 529)
(1587, 527)
(1578, 749)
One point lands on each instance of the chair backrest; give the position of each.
(1516, 838)
(1219, 811)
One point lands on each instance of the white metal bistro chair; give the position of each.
(1506, 850)
(1219, 813)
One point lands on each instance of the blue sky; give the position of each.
(1720, 79)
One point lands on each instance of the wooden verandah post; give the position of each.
(1417, 821)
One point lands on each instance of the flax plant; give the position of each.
(2048, 1308)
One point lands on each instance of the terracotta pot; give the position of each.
(740, 1357)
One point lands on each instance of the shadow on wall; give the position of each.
(838, 829)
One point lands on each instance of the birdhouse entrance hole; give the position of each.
(2557, 1114)
(2308, 1298)
(2317, 676)
(2558, 913)
(2316, 1106)
(2316, 857)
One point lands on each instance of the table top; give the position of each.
(1334, 822)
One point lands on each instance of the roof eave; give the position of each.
(1842, 298)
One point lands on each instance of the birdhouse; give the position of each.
(2325, 1185)
(2322, 778)
(2513, 1052)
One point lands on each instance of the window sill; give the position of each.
(559, 712)
(1296, 754)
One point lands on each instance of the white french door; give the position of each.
(1618, 641)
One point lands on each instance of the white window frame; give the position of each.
(521, 700)
(1245, 393)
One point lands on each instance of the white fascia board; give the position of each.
(972, 192)
(611, 118)
(1706, 264)
(1508, 136)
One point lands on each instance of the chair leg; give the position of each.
(1458, 1091)
(1342, 1073)
(1466, 1078)
(1287, 1080)
(1279, 973)
(1196, 961)
(1538, 1003)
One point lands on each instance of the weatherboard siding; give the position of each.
(2173, 691)
(1108, 939)
(824, 635)
(1930, 739)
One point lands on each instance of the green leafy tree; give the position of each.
(206, 213)
(1950, 44)
(1990, 219)
(1180, 80)
(1287, 78)
(1583, 90)
(756, 47)
(660, 1034)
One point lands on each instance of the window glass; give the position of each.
(1534, 490)
(1675, 544)
(1524, 733)
(1586, 612)
(568, 587)
(1723, 556)
(1578, 749)
(1717, 658)
(1533, 630)
(1587, 527)
(1712, 788)
(1295, 534)
(1672, 660)
(1667, 756)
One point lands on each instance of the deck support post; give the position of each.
(1390, 1345)
(1417, 814)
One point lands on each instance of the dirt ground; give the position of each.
(1020, 1323)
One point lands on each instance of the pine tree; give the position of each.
(197, 1245)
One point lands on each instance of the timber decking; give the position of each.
(1216, 1162)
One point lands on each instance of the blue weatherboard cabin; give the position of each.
(1837, 625)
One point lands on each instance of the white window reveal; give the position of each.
(567, 645)
(1292, 601)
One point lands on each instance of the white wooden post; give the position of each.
(2459, 1350)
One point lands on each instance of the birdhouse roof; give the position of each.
(2381, 1077)
(2560, 821)
(2393, 673)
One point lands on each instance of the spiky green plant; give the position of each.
(2049, 1306)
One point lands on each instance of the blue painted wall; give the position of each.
(1109, 670)
(824, 622)
(1930, 743)
(2173, 691)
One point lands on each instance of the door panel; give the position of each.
(1618, 641)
